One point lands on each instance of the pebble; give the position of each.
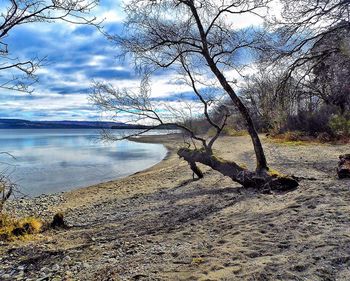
(56, 267)
(67, 258)
(34, 206)
(44, 271)
(46, 277)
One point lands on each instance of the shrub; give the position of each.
(324, 137)
(294, 136)
(291, 136)
(311, 123)
(340, 125)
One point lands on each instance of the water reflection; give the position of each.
(49, 161)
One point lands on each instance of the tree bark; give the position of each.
(261, 165)
(196, 170)
(258, 180)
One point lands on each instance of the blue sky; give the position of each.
(75, 57)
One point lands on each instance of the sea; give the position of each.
(46, 161)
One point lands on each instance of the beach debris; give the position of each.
(343, 169)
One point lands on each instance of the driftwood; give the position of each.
(343, 169)
(263, 180)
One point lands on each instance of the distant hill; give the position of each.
(66, 124)
(26, 124)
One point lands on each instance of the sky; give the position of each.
(75, 56)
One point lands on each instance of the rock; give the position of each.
(44, 278)
(67, 258)
(58, 221)
(20, 276)
(139, 276)
(6, 276)
(56, 267)
(343, 169)
(44, 271)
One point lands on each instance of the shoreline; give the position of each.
(160, 224)
(46, 205)
(121, 187)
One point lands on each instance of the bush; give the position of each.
(340, 125)
(310, 123)
(294, 136)
(324, 137)
(291, 136)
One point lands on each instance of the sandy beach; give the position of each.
(159, 224)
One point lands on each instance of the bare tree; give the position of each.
(18, 12)
(200, 41)
(331, 76)
(269, 104)
(302, 26)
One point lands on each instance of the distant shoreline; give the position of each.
(68, 124)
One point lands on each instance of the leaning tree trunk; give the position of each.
(263, 181)
(261, 166)
(261, 163)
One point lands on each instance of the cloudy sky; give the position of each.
(75, 56)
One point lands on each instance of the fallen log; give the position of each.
(264, 180)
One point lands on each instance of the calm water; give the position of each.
(54, 160)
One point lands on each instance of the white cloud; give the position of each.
(77, 51)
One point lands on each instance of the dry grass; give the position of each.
(295, 138)
(11, 228)
(197, 261)
(228, 132)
